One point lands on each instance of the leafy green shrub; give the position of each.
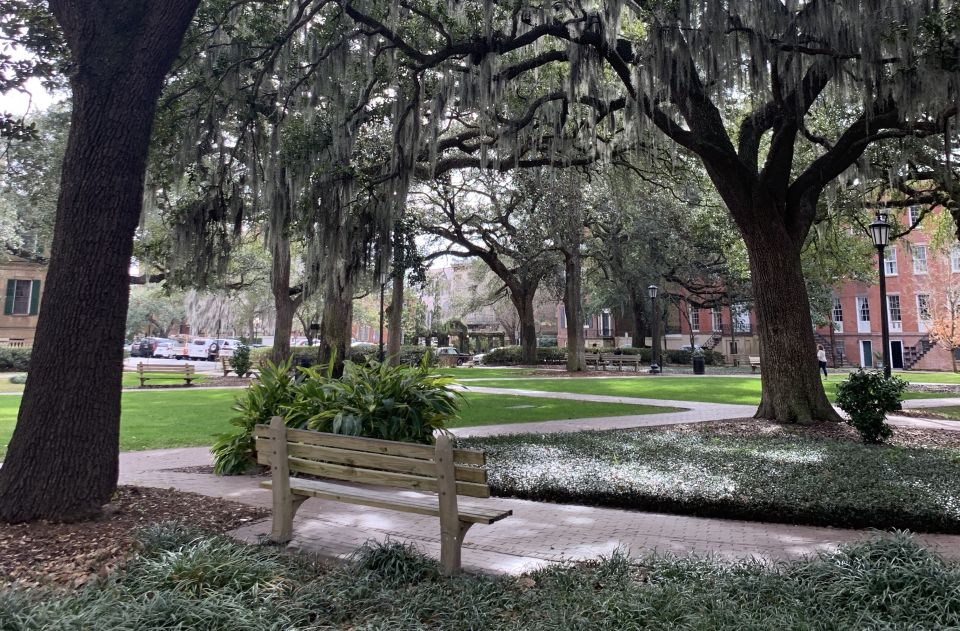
(867, 397)
(265, 398)
(240, 361)
(510, 355)
(375, 400)
(19, 379)
(14, 359)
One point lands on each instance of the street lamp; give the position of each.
(383, 283)
(880, 232)
(655, 342)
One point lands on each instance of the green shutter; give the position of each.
(35, 298)
(11, 289)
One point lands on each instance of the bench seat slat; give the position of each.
(388, 500)
(368, 460)
(373, 445)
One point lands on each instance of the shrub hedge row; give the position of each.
(774, 477)
(14, 359)
(510, 355)
(307, 355)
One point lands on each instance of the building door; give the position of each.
(896, 354)
(866, 353)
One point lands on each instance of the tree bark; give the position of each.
(285, 306)
(522, 299)
(63, 459)
(639, 320)
(396, 322)
(791, 387)
(336, 327)
(576, 355)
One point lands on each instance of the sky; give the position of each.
(34, 100)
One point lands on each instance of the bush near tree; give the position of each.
(240, 360)
(14, 359)
(867, 397)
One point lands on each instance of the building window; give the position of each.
(923, 306)
(890, 261)
(919, 259)
(837, 310)
(740, 315)
(694, 318)
(863, 308)
(914, 213)
(717, 319)
(23, 297)
(563, 317)
(955, 259)
(605, 323)
(893, 308)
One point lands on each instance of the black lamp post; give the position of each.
(383, 284)
(655, 342)
(880, 231)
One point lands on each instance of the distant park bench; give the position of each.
(613, 359)
(754, 363)
(180, 371)
(227, 368)
(440, 469)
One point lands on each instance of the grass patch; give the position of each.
(930, 377)
(741, 390)
(485, 373)
(191, 418)
(947, 412)
(494, 409)
(185, 581)
(767, 474)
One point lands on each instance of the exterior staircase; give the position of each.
(714, 339)
(913, 354)
(836, 358)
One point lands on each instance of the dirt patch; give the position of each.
(749, 428)
(71, 555)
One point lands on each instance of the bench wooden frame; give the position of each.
(185, 372)
(441, 469)
(613, 359)
(754, 362)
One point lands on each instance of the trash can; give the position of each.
(698, 365)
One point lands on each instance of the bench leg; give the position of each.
(188, 381)
(284, 509)
(451, 542)
(143, 382)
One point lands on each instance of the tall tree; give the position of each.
(62, 461)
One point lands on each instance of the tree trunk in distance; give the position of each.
(528, 327)
(639, 321)
(576, 359)
(284, 305)
(63, 460)
(336, 327)
(791, 388)
(396, 322)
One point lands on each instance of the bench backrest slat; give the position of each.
(369, 460)
(186, 369)
(373, 445)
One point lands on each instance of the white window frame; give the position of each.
(920, 265)
(694, 318)
(923, 307)
(863, 309)
(890, 261)
(913, 214)
(896, 323)
(837, 315)
(18, 282)
(716, 318)
(955, 258)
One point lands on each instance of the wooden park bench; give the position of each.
(159, 371)
(754, 363)
(602, 360)
(439, 469)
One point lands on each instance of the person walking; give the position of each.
(822, 359)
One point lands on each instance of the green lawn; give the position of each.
(930, 377)
(485, 373)
(183, 418)
(130, 380)
(743, 390)
(950, 412)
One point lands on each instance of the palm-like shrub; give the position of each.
(240, 360)
(374, 400)
(266, 397)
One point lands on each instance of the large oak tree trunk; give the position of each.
(791, 386)
(639, 313)
(576, 359)
(336, 326)
(396, 322)
(285, 306)
(528, 326)
(62, 462)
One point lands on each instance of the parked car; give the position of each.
(225, 346)
(147, 347)
(168, 349)
(206, 348)
(446, 354)
(691, 349)
(478, 358)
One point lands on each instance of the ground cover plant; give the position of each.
(739, 390)
(183, 579)
(160, 419)
(743, 470)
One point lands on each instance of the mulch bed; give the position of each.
(71, 555)
(750, 428)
